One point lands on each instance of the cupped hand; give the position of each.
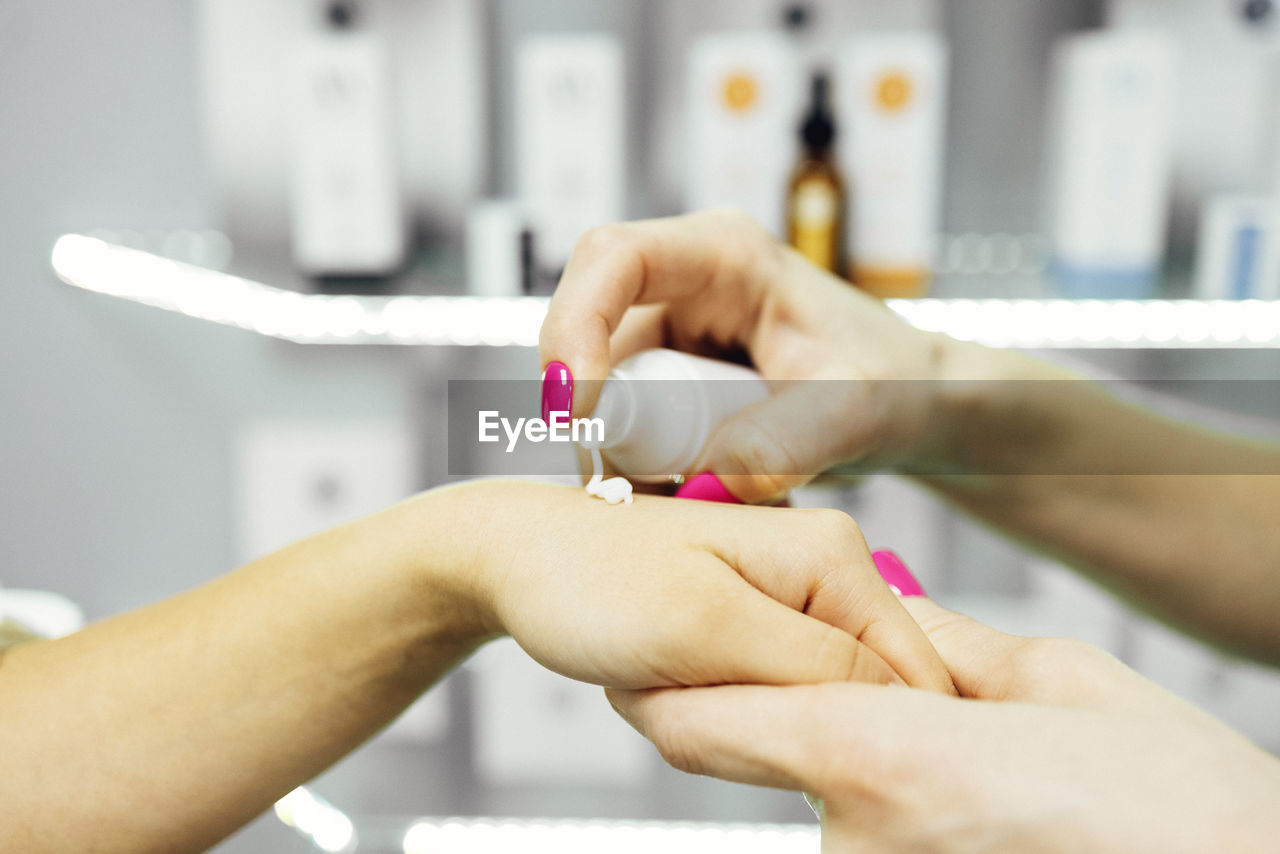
(718, 284)
(666, 592)
(1072, 752)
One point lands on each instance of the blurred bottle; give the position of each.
(347, 212)
(816, 194)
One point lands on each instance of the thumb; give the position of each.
(980, 659)
(803, 429)
(987, 664)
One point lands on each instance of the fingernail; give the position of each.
(557, 390)
(706, 487)
(895, 574)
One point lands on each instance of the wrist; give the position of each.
(980, 414)
(442, 541)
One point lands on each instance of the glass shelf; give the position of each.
(144, 277)
(328, 829)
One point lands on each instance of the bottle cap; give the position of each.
(819, 128)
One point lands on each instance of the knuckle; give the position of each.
(747, 247)
(838, 656)
(677, 747)
(605, 240)
(837, 530)
(1048, 668)
(734, 221)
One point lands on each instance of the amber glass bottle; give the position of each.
(816, 196)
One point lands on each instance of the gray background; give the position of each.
(118, 420)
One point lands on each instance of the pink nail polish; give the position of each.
(557, 390)
(706, 487)
(895, 574)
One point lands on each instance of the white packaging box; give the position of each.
(297, 477)
(535, 726)
(570, 137)
(347, 215)
(890, 102)
(1109, 163)
(1238, 253)
(745, 97)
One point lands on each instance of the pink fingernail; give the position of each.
(706, 487)
(895, 574)
(557, 390)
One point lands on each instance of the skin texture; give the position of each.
(1054, 746)
(171, 726)
(1141, 503)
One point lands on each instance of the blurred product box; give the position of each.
(1238, 255)
(571, 150)
(744, 99)
(347, 212)
(535, 726)
(891, 105)
(1110, 158)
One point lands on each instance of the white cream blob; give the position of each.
(614, 490)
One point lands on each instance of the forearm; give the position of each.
(1180, 527)
(167, 728)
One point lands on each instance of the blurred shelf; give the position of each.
(132, 274)
(329, 829)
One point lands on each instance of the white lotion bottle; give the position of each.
(659, 408)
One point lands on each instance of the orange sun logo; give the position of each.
(739, 92)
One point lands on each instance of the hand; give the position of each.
(1078, 753)
(716, 284)
(665, 592)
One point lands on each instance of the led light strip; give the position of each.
(495, 836)
(95, 265)
(331, 830)
(1099, 323)
(328, 827)
(133, 274)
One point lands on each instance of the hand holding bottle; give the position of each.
(717, 284)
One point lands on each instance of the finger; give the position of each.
(801, 430)
(817, 561)
(850, 597)
(641, 329)
(744, 636)
(989, 664)
(617, 266)
(975, 654)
